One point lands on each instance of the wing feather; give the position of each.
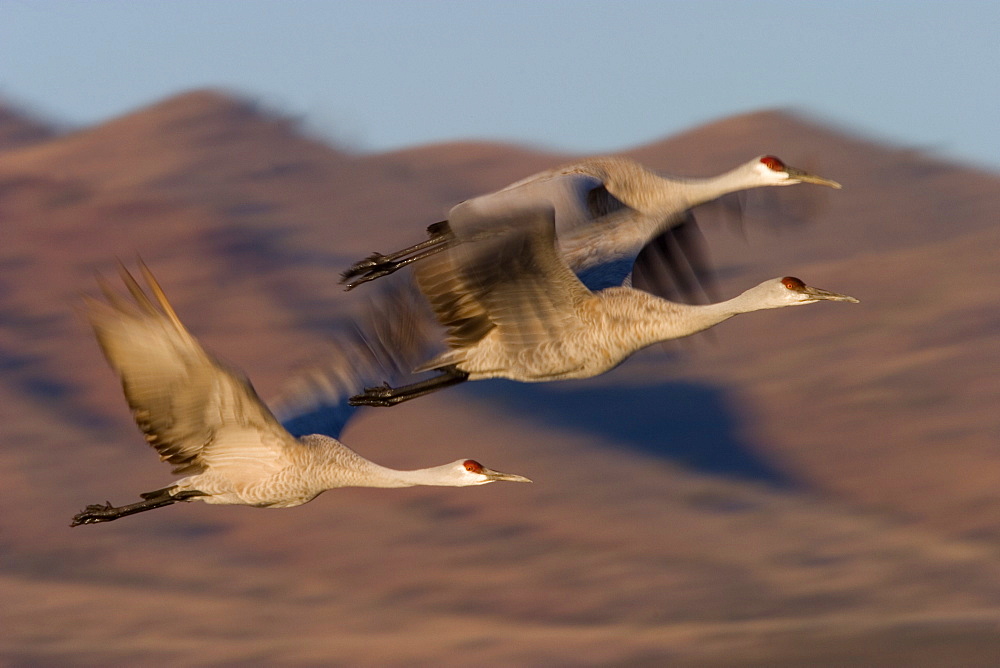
(579, 198)
(190, 406)
(503, 272)
(674, 264)
(393, 334)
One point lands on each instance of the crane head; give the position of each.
(785, 291)
(467, 472)
(791, 291)
(774, 172)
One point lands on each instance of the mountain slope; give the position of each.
(813, 486)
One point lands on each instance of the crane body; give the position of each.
(607, 210)
(514, 308)
(206, 420)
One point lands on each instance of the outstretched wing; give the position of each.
(674, 264)
(191, 408)
(578, 196)
(393, 334)
(502, 272)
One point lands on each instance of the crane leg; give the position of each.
(377, 265)
(384, 395)
(95, 513)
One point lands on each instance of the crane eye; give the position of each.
(473, 466)
(772, 163)
(793, 283)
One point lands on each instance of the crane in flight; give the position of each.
(514, 309)
(206, 420)
(612, 215)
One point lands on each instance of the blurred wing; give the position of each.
(674, 264)
(780, 208)
(395, 332)
(190, 407)
(579, 198)
(503, 272)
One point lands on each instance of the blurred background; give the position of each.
(807, 486)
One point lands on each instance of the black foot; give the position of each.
(95, 513)
(360, 267)
(383, 395)
(372, 267)
(378, 265)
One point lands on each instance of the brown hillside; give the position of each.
(814, 487)
(19, 129)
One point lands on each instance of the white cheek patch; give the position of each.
(768, 175)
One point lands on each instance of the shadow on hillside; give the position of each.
(691, 424)
(31, 378)
(324, 418)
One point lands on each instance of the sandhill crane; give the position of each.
(608, 210)
(208, 422)
(514, 309)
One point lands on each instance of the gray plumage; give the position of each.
(514, 309)
(206, 420)
(607, 211)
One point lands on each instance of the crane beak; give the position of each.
(803, 176)
(496, 476)
(816, 294)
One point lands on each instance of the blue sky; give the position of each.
(579, 76)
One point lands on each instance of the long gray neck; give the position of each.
(374, 475)
(651, 319)
(697, 191)
(681, 320)
(663, 200)
(337, 465)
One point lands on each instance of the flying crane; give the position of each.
(206, 420)
(612, 215)
(514, 308)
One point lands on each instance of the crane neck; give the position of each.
(680, 320)
(700, 190)
(338, 466)
(371, 474)
(653, 193)
(657, 319)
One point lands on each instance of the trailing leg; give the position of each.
(95, 513)
(377, 265)
(384, 395)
